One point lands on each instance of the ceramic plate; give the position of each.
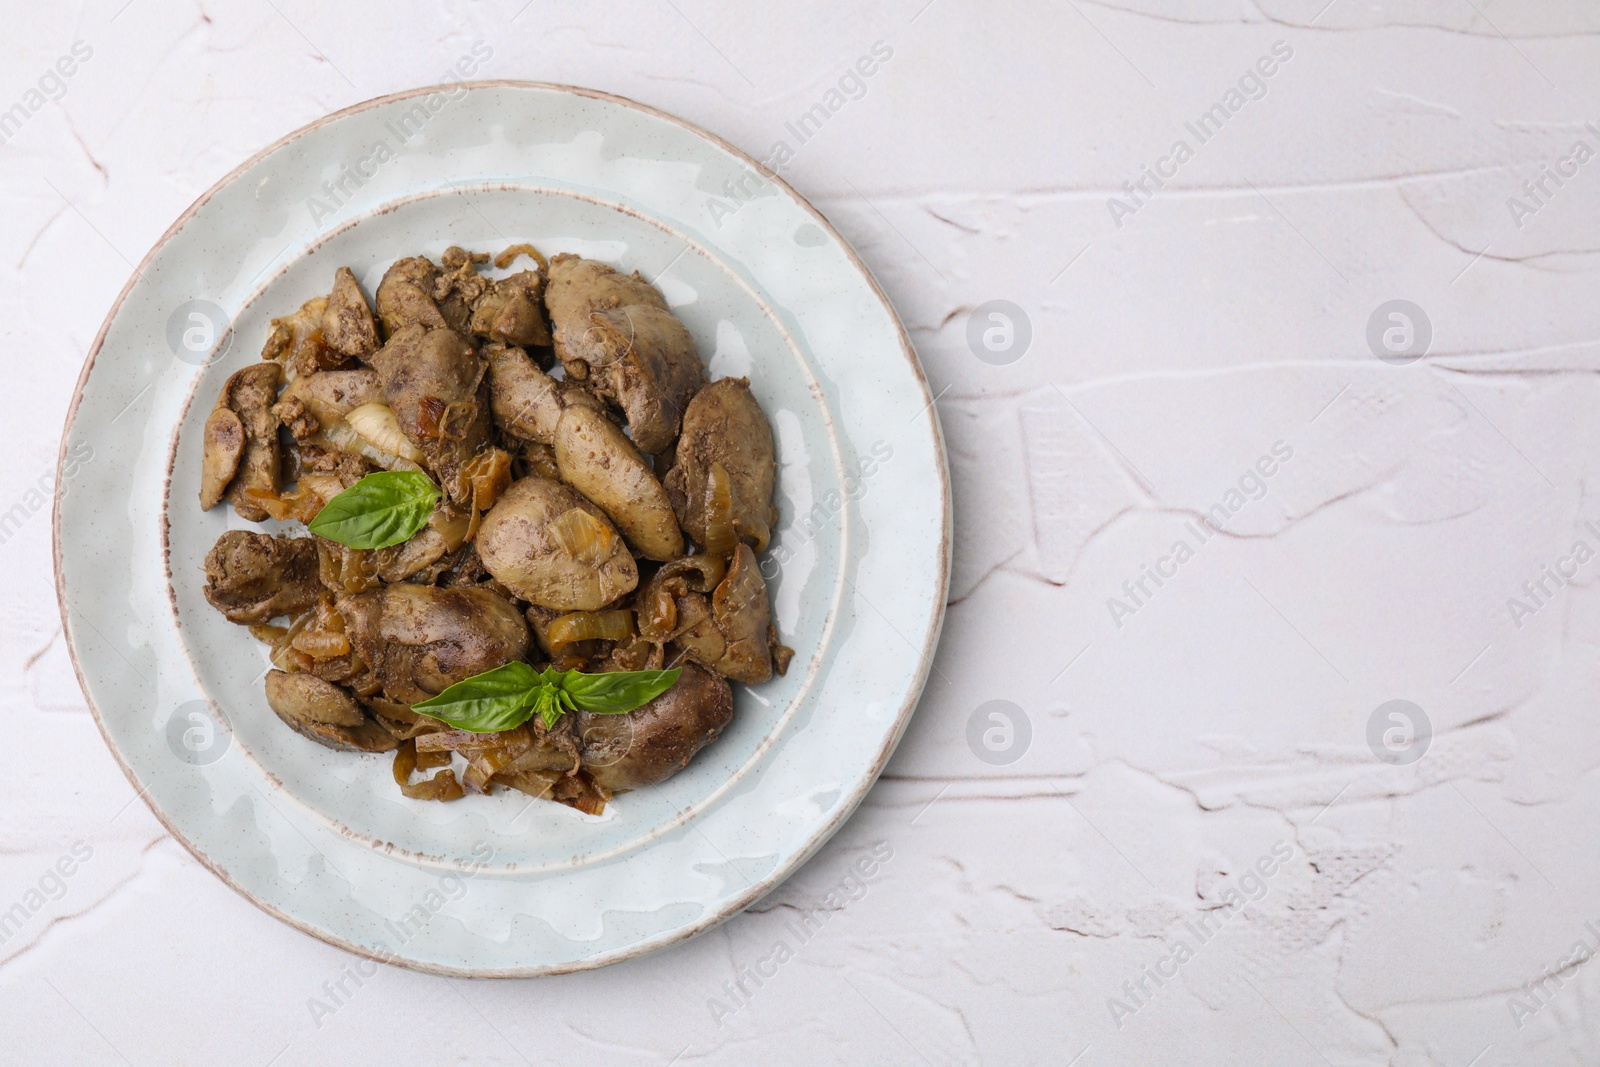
(503, 885)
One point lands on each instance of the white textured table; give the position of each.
(1177, 843)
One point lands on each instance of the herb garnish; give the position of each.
(508, 696)
(382, 509)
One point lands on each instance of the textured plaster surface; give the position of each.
(1174, 742)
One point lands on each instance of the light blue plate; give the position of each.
(501, 885)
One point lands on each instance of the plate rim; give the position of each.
(734, 903)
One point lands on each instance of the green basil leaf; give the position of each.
(380, 510)
(547, 704)
(508, 696)
(499, 699)
(616, 692)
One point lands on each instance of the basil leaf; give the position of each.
(617, 692)
(547, 705)
(499, 699)
(380, 510)
(508, 696)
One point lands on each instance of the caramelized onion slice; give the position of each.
(284, 657)
(324, 637)
(340, 437)
(585, 538)
(659, 618)
(349, 570)
(638, 654)
(581, 792)
(614, 625)
(489, 473)
(375, 424)
(405, 761)
(401, 721)
(759, 536)
(535, 783)
(446, 740)
(721, 537)
(504, 259)
(481, 769)
(321, 644)
(658, 605)
(456, 527)
(302, 503)
(442, 786)
(427, 761)
(700, 574)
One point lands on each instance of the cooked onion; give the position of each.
(342, 438)
(298, 662)
(579, 791)
(427, 761)
(659, 618)
(700, 574)
(430, 417)
(761, 533)
(486, 754)
(482, 768)
(586, 538)
(284, 657)
(376, 424)
(504, 259)
(296, 341)
(398, 719)
(365, 684)
(489, 473)
(535, 783)
(301, 504)
(615, 625)
(350, 570)
(322, 486)
(639, 654)
(721, 538)
(456, 527)
(658, 605)
(319, 644)
(405, 761)
(324, 638)
(446, 740)
(442, 786)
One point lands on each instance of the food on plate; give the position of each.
(723, 468)
(242, 461)
(554, 548)
(253, 577)
(530, 527)
(659, 739)
(595, 457)
(614, 332)
(527, 401)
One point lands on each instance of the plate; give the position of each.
(504, 886)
